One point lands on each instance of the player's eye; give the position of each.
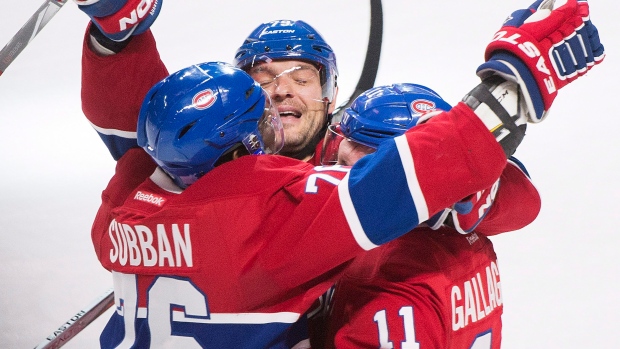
(264, 78)
(305, 76)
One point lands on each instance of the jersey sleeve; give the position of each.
(517, 202)
(113, 88)
(418, 174)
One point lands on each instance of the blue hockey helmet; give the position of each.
(380, 113)
(290, 40)
(192, 118)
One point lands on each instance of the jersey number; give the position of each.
(481, 342)
(313, 188)
(163, 293)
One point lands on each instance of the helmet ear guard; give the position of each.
(194, 117)
(291, 40)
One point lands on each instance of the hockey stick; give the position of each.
(373, 56)
(78, 322)
(32, 27)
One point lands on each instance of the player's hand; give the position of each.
(469, 212)
(544, 48)
(120, 19)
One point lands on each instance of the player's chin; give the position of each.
(292, 145)
(293, 132)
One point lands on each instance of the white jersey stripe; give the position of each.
(230, 318)
(239, 318)
(351, 215)
(115, 132)
(412, 179)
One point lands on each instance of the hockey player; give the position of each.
(292, 61)
(445, 295)
(212, 249)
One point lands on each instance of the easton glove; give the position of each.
(118, 20)
(543, 48)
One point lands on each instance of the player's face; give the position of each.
(350, 151)
(295, 89)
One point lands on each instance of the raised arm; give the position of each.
(120, 63)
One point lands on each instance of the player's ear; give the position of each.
(239, 152)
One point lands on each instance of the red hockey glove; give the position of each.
(544, 48)
(120, 19)
(469, 212)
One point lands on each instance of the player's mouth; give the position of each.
(287, 111)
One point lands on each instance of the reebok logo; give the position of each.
(471, 238)
(149, 198)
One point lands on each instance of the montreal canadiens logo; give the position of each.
(204, 99)
(421, 106)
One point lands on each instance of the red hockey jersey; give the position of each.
(427, 289)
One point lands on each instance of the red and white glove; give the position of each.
(543, 48)
(469, 212)
(120, 19)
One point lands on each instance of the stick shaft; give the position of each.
(371, 62)
(32, 27)
(78, 322)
